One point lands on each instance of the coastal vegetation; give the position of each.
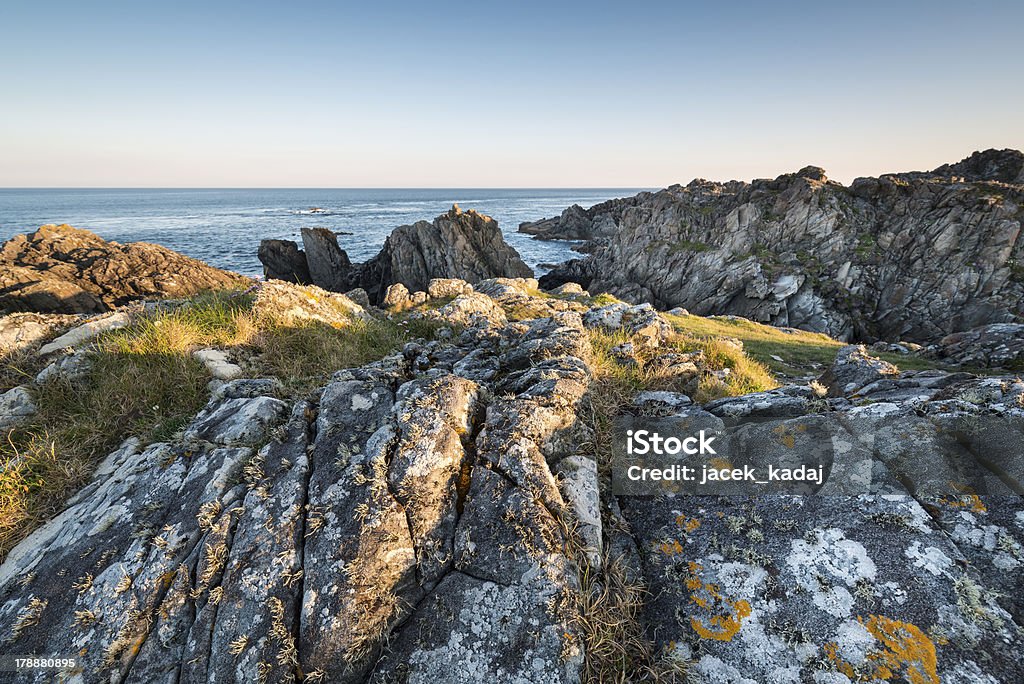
(144, 381)
(784, 351)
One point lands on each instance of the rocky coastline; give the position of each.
(905, 256)
(402, 470)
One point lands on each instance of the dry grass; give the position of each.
(19, 367)
(609, 603)
(801, 352)
(79, 423)
(605, 613)
(616, 646)
(745, 374)
(144, 382)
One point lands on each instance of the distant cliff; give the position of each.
(912, 256)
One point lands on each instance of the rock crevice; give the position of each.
(438, 515)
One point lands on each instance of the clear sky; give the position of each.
(487, 94)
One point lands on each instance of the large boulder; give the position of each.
(329, 265)
(854, 369)
(283, 260)
(464, 245)
(68, 270)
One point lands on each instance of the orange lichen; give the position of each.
(968, 500)
(688, 524)
(727, 615)
(904, 649)
(832, 653)
(672, 548)
(907, 649)
(787, 434)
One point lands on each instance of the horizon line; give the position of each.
(303, 187)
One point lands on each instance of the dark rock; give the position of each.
(283, 260)
(995, 345)
(1003, 166)
(67, 270)
(577, 223)
(329, 265)
(912, 256)
(359, 296)
(579, 271)
(464, 245)
(457, 245)
(855, 369)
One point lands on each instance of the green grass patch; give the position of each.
(615, 384)
(802, 352)
(688, 246)
(146, 395)
(144, 382)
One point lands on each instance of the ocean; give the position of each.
(224, 227)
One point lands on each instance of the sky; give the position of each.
(512, 94)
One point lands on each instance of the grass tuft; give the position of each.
(144, 382)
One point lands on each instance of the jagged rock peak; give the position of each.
(1003, 166)
(457, 244)
(911, 256)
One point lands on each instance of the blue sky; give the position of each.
(524, 94)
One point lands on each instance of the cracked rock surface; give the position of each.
(431, 516)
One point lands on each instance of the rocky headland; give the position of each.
(464, 245)
(905, 256)
(414, 482)
(60, 269)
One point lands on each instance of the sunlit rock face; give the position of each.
(458, 244)
(910, 256)
(439, 516)
(60, 269)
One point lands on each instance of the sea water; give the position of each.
(224, 227)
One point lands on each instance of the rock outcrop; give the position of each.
(995, 345)
(910, 256)
(577, 223)
(458, 244)
(283, 260)
(439, 516)
(60, 269)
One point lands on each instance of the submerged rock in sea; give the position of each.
(68, 270)
(464, 245)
